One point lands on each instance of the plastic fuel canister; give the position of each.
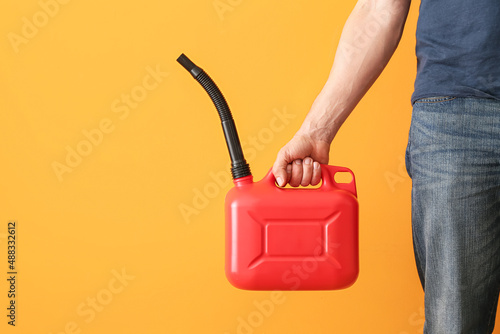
(282, 238)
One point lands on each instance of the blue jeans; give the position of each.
(453, 158)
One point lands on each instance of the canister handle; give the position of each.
(328, 177)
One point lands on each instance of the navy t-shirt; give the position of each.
(458, 49)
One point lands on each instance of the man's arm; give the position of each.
(369, 38)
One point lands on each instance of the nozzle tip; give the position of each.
(186, 62)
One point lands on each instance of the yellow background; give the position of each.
(120, 208)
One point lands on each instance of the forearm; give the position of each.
(369, 38)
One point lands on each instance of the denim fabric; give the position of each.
(453, 158)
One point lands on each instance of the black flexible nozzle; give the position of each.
(239, 166)
(189, 65)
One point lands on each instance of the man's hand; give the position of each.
(298, 161)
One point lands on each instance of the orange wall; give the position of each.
(103, 246)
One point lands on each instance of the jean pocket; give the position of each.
(435, 99)
(407, 159)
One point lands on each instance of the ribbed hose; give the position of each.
(216, 96)
(239, 166)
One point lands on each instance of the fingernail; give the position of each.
(316, 165)
(307, 161)
(298, 162)
(289, 169)
(279, 179)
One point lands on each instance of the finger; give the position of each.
(288, 173)
(307, 172)
(296, 173)
(316, 174)
(279, 169)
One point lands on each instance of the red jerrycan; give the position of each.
(282, 238)
(292, 239)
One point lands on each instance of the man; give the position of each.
(453, 153)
